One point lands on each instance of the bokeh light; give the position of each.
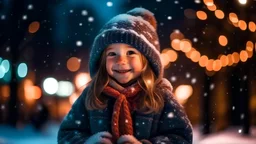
(50, 85)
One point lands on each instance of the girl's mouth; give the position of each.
(122, 71)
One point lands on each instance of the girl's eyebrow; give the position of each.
(109, 48)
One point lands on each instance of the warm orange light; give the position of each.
(242, 24)
(209, 65)
(201, 15)
(203, 61)
(212, 8)
(235, 57)
(219, 14)
(188, 54)
(230, 59)
(164, 59)
(73, 64)
(73, 98)
(223, 41)
(176, 35)
(250, 53)
(185, 45)
(233, 18)
(32, 92)
(208, 2)
(175, 44)
(172, 55)
(82, 79)
(34, 27)
(249, 46)
(5, 91)
(252, 26)
(224, 60)
(216, 65)
(195, 56)
(183, 92)
(243, 56)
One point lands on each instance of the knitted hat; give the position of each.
(137, 28)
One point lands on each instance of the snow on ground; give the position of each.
(28, 135)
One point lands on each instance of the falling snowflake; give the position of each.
(78, 122)
(79, 43)
(193, 81)
(242, 116)
(240, 131)
(90, 19)
(84, 13)
(39, 107)
(80, 24)
(176, 2)
(24, 17)
(30, 7)
(212, 86)
(8, 49)
(197, 1)
(233, 107)
(205, 94)
(126, 120)
(2, 107)
(195, 40)
(158, 0)
(109, 4)
(71, 11)
(2, 17)
(245, 77)
(173, 78)
(187, 75)
(100, 121)
(169, 17)
(170, 115)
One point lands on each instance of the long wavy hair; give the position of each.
(151, 101)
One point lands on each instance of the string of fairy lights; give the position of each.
(180, 43)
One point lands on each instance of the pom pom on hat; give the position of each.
(145, 14)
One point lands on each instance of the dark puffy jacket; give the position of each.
(170, 126)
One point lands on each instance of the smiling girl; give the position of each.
(128, 101)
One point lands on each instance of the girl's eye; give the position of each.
(111, 54)
(131, 52)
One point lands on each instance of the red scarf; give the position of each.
(121, 122)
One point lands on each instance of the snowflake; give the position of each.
(90, 19)
(80, 24)
(158, 0)
(233, 107)
(109, 4)
(30, 7)
(143, 123)
(78, 122)
(84, 12)
(79, 43)
(245, 77)
(212, 86)
(205, 94)
(193, 81)
(170, 115)
(39, 107)
(240, 131)
(176, 2)
(2, 107)
(3, 17)
(24, 17)
(126, 120)
(169, 17)
(242, 116)
(71, 11)
(173, 78)
(8, 49)
(187, 75)
(197, 1)
(100, 121)
(195, 40)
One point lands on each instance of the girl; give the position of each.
(128, 100)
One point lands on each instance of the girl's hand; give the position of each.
(100, 138)
(128, 139)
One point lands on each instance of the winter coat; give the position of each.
(170, 126)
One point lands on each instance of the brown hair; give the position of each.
(151, 101)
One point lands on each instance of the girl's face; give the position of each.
(123, 62)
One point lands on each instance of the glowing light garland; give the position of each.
(179, 43)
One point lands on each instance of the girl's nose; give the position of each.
(121, 59)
